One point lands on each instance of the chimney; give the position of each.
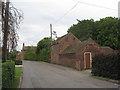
(23, 46)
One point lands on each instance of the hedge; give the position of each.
(18, 62)
(8, 73)
(106, 66)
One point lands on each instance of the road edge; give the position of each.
(106, 79)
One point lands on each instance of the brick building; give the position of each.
(20, 55)
(70, 51)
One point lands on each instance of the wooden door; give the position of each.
(87, 60)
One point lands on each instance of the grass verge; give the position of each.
(18, 73)
(106, 79)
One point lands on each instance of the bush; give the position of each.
(8, 73)
(43, 50)
(30, 54)
(18, 62)
(12, 55)
(106, 66)
(44, 55)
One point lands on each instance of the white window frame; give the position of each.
(85, 59)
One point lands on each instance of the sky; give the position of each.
(62, 14)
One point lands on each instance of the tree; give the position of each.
(11, 19)
(82, 30)
(105, 31)
(30, 53)
(43, 49)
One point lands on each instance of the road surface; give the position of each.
(45, 75)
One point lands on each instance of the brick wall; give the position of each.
(62, 44)
(68, 60)
(75, 57)
(68, 40)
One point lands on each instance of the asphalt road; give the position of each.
(45, 75)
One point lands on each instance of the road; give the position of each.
(45, 75)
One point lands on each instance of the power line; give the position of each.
(74, 7)
(67, 12)
(83, 3)
(97, 6)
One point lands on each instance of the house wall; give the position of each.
(75, 60)
(68, 60)
(55, 54)
(61, 45)
(91, 47)
(94, 49)
(68, 40)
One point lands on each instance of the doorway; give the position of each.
(87, 60)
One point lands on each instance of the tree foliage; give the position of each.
(105, 32)
(82, 29)
(43, 49)
(30, 54)
(12, 55)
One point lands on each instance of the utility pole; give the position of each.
(51, 30)
(5, 30)
(119, 10)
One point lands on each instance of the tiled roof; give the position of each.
(75, 48)
(79, 47)
(90, 41)
(58, 40)
(107, 49)
(26, 47)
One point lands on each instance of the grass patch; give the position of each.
(106, 79)
(18, 73)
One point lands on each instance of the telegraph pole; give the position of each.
(5, 30)
(51, 30)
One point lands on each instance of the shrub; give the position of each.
(8, 73)
(43, 50)
(44, 55)
(12, 55)
(30, 54)
(18, 62)
(106, 66)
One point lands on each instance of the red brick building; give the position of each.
(20, 55)
(70, 51)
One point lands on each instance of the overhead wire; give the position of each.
(58, 20)
(83, 3)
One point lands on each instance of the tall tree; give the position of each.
(105, 31)
(11, 19)
(82, 30)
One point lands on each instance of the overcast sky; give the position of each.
(38, 14)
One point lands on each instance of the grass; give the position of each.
(106, 79)
(18, 73)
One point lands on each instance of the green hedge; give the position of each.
(43, 55)
(30, 56)
(8, 73)
(106, 66)
(18, 62)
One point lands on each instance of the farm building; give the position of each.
(70, 51)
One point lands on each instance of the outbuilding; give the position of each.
(70, 51)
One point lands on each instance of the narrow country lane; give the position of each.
(45, 75)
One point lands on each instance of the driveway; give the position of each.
(45, 75)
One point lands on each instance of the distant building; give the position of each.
(119, 9)
(20, 55)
